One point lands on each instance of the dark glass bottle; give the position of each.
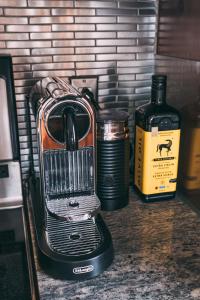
(157, 139)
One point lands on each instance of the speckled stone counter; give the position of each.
(157, 257)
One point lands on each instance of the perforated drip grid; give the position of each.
(73, 239)
(73, 208)
(68, 171)
(69, 184)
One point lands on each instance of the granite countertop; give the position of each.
(157, 256)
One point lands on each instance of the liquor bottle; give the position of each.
(189, 170)
(157, 140)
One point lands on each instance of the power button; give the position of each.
(4, 171)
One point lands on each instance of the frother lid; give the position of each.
(111, 115)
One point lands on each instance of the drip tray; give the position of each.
(73, 239)
(73, 209)
(70, 250)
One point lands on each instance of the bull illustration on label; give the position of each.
(166, 146)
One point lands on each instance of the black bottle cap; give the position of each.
(159, 81)
(159, 77)
(158, 92)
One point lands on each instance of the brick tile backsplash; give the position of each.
(95, 35)
(135, 4)
(73, 43)
(26, 12)
(74, 58)
(28, 44)
(116, 12)
(73, 27)
(13, 20)
(28, 28)
(51, 36)
(73, 12)
(2, 44)
(95, 4)
(15, 52)
(94, 50)
(116, 27)
(50, 3)
(51, 20)
(116, 42)
(53, 51)
(113, 39)
(137, 20)
(53, 66)
(14, 36)
(13, 3)
(31, 59)
(95, 20)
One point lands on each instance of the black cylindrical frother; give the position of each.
(112, 159)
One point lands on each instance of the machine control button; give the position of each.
(4, 173)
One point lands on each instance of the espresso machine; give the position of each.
(72, 238)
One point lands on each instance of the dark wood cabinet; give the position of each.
(178, 28)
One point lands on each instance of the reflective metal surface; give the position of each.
(68, 171)
(112, 125)
(112, 131)
(11, 186)
(112, 39)
(5, 137)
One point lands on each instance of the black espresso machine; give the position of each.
(73, 240)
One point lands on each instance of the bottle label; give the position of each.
(156, 160)
(191, 166)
